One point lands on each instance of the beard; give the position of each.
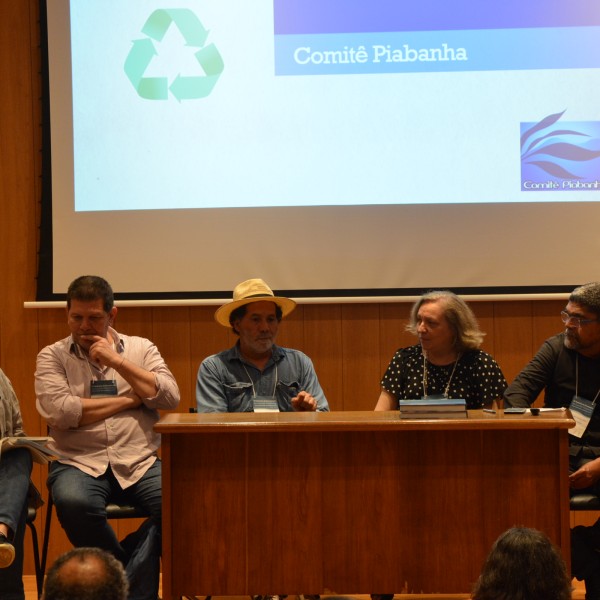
(572, 341)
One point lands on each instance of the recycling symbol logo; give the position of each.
(182, 87)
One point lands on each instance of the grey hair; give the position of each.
(587, 295)
(462, 320)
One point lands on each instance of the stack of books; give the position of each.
(439, 408)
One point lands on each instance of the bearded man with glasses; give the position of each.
(567, 368)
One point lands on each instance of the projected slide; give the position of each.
(229, 103)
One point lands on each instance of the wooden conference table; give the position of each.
(352, 502)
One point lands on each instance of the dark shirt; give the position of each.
(553, 369)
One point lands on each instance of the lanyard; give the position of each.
(98, 368)
(447, 388)
(252, 381)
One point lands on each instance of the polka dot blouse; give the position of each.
(477, 378)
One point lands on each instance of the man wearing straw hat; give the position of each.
(256, 375)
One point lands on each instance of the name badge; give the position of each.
(582, 411)
(103, 388)
(435, 397)
(265, 404)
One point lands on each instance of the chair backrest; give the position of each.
(584, 502)
(125, 511)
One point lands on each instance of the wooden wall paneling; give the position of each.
(171, 335)
(36, 83)
(19, 165)
(291, 330)
(546, 321)
(484, 311)
(322, 343)
(18, 154)
(51, 325)
(513, 329)
(360, 356)
(207, 337)
(135, 321)
(393, 319)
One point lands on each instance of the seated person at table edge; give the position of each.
(100, 391)
(255, 374)
(15, 469)
(447, 361)
(567, 368)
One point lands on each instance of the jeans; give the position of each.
(81, 500)
(15, 470)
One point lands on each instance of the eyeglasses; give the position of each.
(577, 321)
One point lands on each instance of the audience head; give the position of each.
(89, 288)
(86, 574)
(523, 565)
(460, 318)
(249, 292)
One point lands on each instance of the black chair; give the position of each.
(113, 511)
(39, 572)
(584, 502)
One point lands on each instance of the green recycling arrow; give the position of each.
(143, 51)
(138, 59)
(187, 88)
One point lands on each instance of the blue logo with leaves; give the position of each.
(560, 156)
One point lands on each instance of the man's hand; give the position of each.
(304, 402)
(102, 352)
(586, 476)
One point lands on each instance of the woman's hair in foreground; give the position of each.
(523, 565)
(467, 335)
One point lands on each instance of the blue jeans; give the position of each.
(81, 500)
(15, 470)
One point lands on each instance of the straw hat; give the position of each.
(252, 290)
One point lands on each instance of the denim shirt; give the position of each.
(227, 383)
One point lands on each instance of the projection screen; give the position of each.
(327, 146)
